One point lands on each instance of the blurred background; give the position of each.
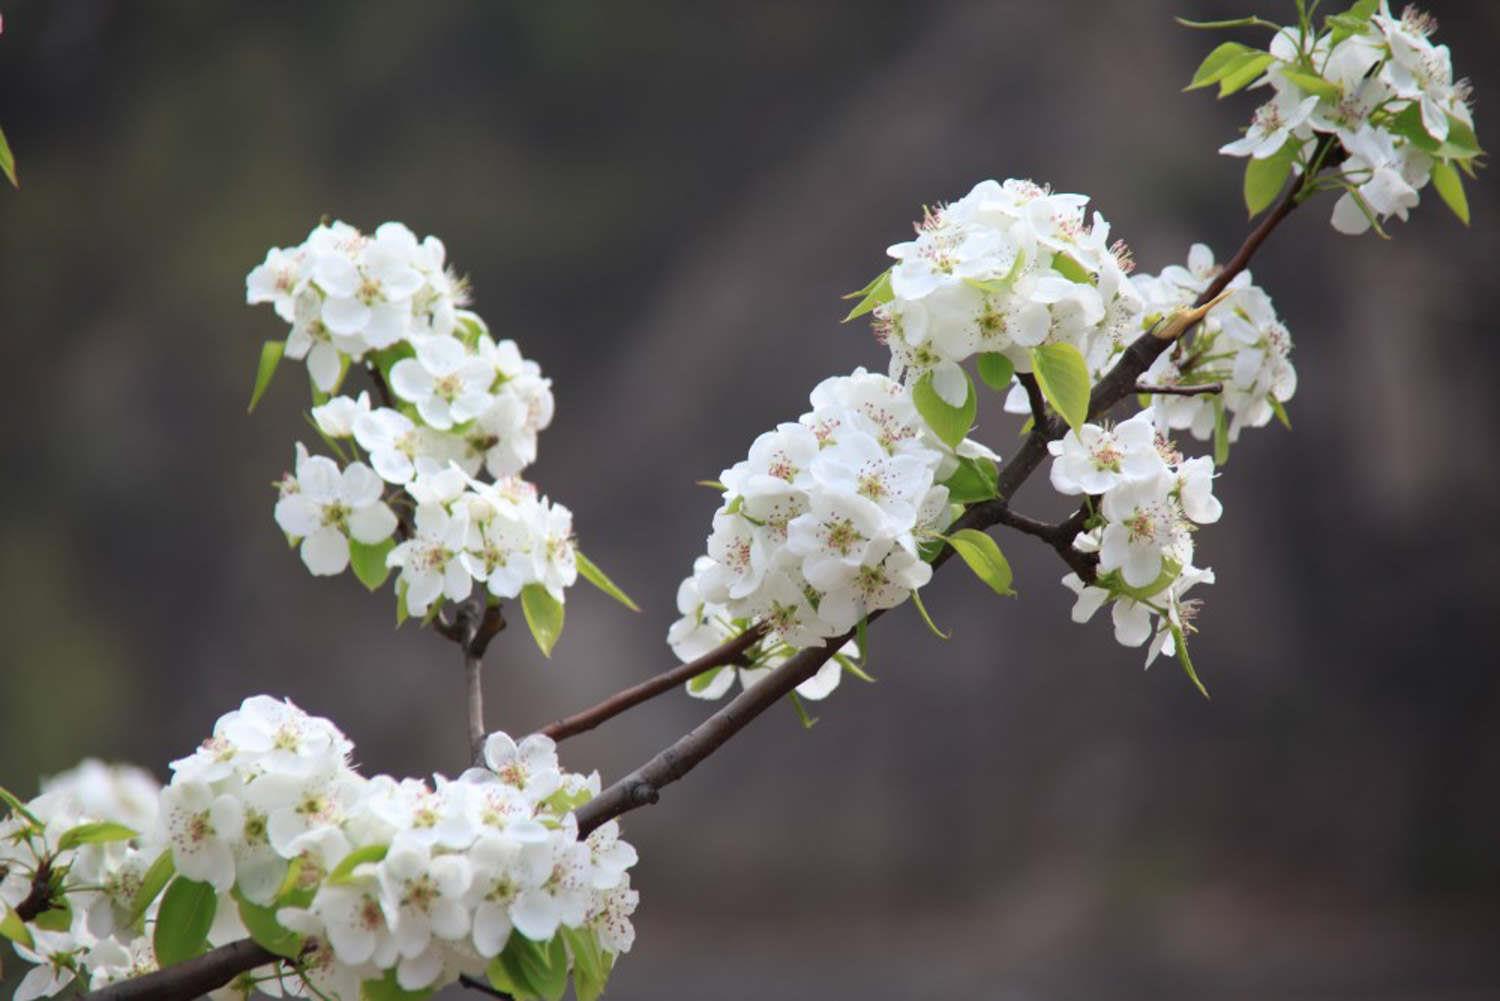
(662, 204)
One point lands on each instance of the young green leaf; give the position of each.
(807, 721)
(983, 556)
(948, 422)
(368, 562)
(1187, 661)
(996, 370)
(1264, 179)
(98, 833)
(591, 964)
(344, 871)
(13, 928)
(862, 639)
(1280, 411)
(1221, 433)
(8, 162)
(1064, 378)
(1313, 84)
(1244, 73)
(263, 927)
(270, 359)
(916, 599)
(1451, 187)
(388, 989)
(17, 807)
(58, 918)
(544, 615)
(183, 921)
(1217, 63)
(1068, 266)
(401, 612)
(151, 886)
(876, 294)
(598, 578)
(701, 682)
(973, 481)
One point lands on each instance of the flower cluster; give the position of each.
(1381, 94)
(455, 405)
(1149, 499)
(1241, 344)
(820, 525)
(1003, 270)
(355, 879)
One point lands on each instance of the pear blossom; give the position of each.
(447, 384)
(430, 563)
(326, 507)
(1093, 459)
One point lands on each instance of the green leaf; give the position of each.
(973, 481)
(17, 807)
(1313, 84)
(1221, 433)
(1280, 411)
(1069, 268)
(916, 599)
(591, 964)
(401, 612)
(270, 359)
(949, 423)
(1064, 378)
(1114, 582)
(1187, 661)
(94, 834)
(388, 989)
(152, 882)
(862, 639)
(13, 928)
(59, 918)
(1461, 143)
(1238, 22)
(600, 579)
(1218, 62)
(531, 970)
(8, 162)
(544, 614)
(1451, 187)
(263, 927)
(702, 681)
(996, 370)
(1264, 179)
(182, 923)
(344, 871)
(876, 294)
(808, 721)
(1244, 73)
(368, 562)
(983, 556)
(853, 668)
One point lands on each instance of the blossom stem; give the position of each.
(474, 681)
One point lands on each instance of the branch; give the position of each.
(39, 897)
(725, 653)
(1033, 395)
(190, 978)
(1206, 389)
(475, 984)
(643, 786)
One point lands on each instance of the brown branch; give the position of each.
(725, 653)
(1206, 389)
(190, 978)
(643, 786)
(39, 897)
(1033, 395)
(476, 984)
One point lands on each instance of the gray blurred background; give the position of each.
(662, 203)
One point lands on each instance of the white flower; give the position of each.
(1143, 528)
(554, 878)
(369, 293)
(325, 508)
(430, 561)
(276, 280)
(1279, 119)
(448, 385)
(336, 418)
(400, 449)
(530, 766)
(1093, 459)
(553, 547)
(610, 919)
(422, 895)
(52, 955)
(609, 856)
(1195, 483)
(202, 828)
(1380, 174)
(837, 536)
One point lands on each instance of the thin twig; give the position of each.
(1033, 396)
(1206, 389)
(217, 967)
(725, 653)
(475, 984)
(474, 684)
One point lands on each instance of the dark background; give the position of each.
(662, 203)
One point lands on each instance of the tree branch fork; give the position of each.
(472, 624)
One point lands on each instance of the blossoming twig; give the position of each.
(1206, 389)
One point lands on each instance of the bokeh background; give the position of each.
(662, 203)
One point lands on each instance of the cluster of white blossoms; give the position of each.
(820, 525)
(1003, 270)
(354, 879)
(456, 405)
(1241, 343)
(1149, 499)
(1378, 86)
